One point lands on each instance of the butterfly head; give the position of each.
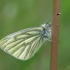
(46, 30)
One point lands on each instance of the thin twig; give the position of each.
(55, 34)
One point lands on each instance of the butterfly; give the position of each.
(25, 43)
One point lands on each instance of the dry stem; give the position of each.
(55, 33)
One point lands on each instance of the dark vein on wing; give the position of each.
(18, 42)
(14, 50)
(36, 44)
(30, 47)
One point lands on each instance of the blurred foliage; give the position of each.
(16, 15)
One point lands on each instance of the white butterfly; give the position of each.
(25, 43)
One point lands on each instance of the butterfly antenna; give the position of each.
(48, 21)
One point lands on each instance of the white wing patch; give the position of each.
(23, 44)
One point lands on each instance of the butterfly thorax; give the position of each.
(46, 30)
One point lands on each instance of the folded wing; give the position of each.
(23, 44)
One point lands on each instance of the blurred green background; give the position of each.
(16, 15)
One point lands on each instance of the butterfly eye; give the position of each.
(50, 25)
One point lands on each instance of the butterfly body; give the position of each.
(25, 43)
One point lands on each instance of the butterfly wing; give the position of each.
(23, 44)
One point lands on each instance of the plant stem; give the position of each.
(55, 34)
